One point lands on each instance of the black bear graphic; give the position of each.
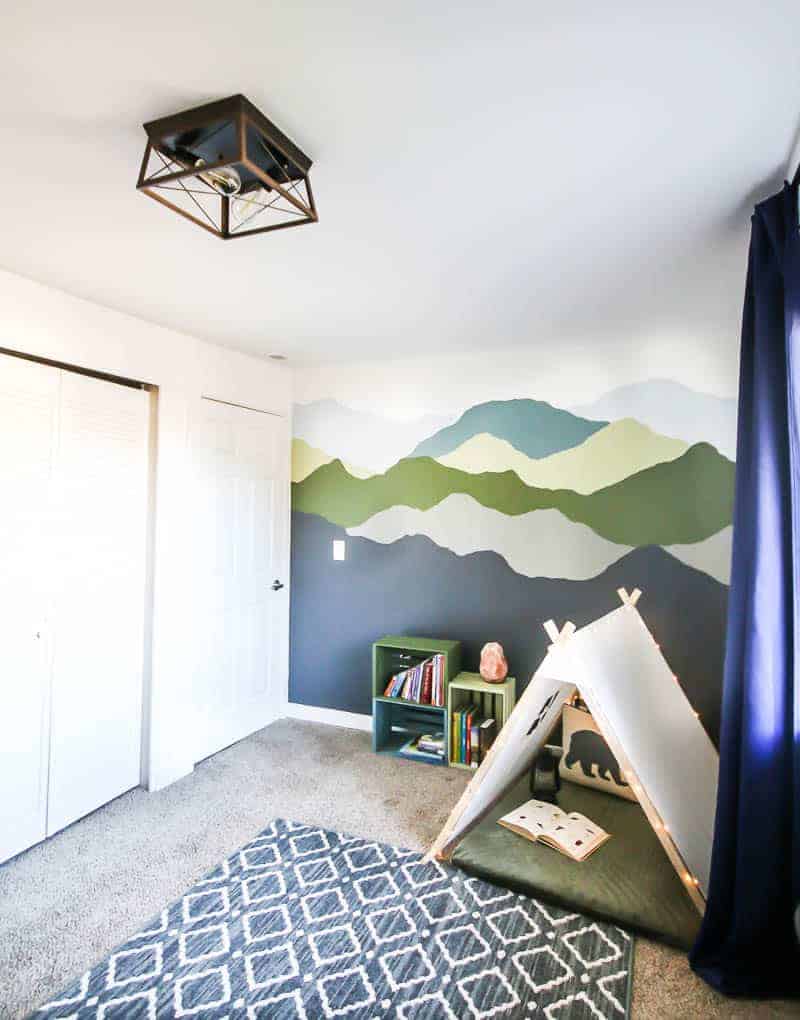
(588, 748)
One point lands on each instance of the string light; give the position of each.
(658, 825)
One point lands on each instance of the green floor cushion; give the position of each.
(628, 881)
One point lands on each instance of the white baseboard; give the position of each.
(329, 716)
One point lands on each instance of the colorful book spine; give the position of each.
(439, 680)
(475, 756)
(423, 683)
(427, 683)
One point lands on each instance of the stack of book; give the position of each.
(426, 747)
(423, 683)
(472, 735)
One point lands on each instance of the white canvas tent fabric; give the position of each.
(645, 717)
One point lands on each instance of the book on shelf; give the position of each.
(472, 735)
(482, 733)
(431, 743)
(425, 747)
(571, 834)
(422, 683)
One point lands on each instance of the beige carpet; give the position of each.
(67, 902)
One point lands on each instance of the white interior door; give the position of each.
(235, 456)
(28, 416)
(99, 528)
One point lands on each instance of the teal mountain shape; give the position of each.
(533, 427)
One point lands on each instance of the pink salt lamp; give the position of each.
(494, 667)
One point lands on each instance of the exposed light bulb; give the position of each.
(247, 206)
(224, 180)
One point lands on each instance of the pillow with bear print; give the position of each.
(587, 758)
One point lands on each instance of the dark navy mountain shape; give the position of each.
(533, 427)
(412, 586)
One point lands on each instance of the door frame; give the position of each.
(149, 587)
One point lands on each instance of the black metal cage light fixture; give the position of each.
(227, 168)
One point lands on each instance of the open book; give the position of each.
(572, 834)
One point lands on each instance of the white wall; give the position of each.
(38, 320)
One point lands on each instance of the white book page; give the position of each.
(575, 835)
(536, 817)
(572, 834)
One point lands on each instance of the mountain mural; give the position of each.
(478, 525)
(673, 410)
(533, 427)
(607, 456)
(306, 459)
(369, 440)
(713, 556)
(542, 543)
(648, 508)
(414, 587)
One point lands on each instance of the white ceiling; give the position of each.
(487, 175)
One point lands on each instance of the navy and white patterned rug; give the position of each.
(308, 924)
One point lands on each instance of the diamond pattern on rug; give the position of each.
(307, 924)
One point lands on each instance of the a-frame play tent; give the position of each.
(660, 744)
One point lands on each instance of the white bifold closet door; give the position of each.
(235, 458)
(28, 419)
(99, 555)
(73, 536)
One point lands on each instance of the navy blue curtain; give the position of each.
(747, 944)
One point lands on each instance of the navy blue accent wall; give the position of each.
(413, 586)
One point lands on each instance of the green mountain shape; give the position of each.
(681, 501)
(306, 459)
(606, 457)
(533, 427)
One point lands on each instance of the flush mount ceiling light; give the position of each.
(227, 168)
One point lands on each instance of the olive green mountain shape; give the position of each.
(533, 427)
(680, 501)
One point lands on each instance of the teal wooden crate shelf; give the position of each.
(495, 700)
(395, 720)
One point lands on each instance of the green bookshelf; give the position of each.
(395, 720)
(494, 700)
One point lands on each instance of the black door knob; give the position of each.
(276, 585)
